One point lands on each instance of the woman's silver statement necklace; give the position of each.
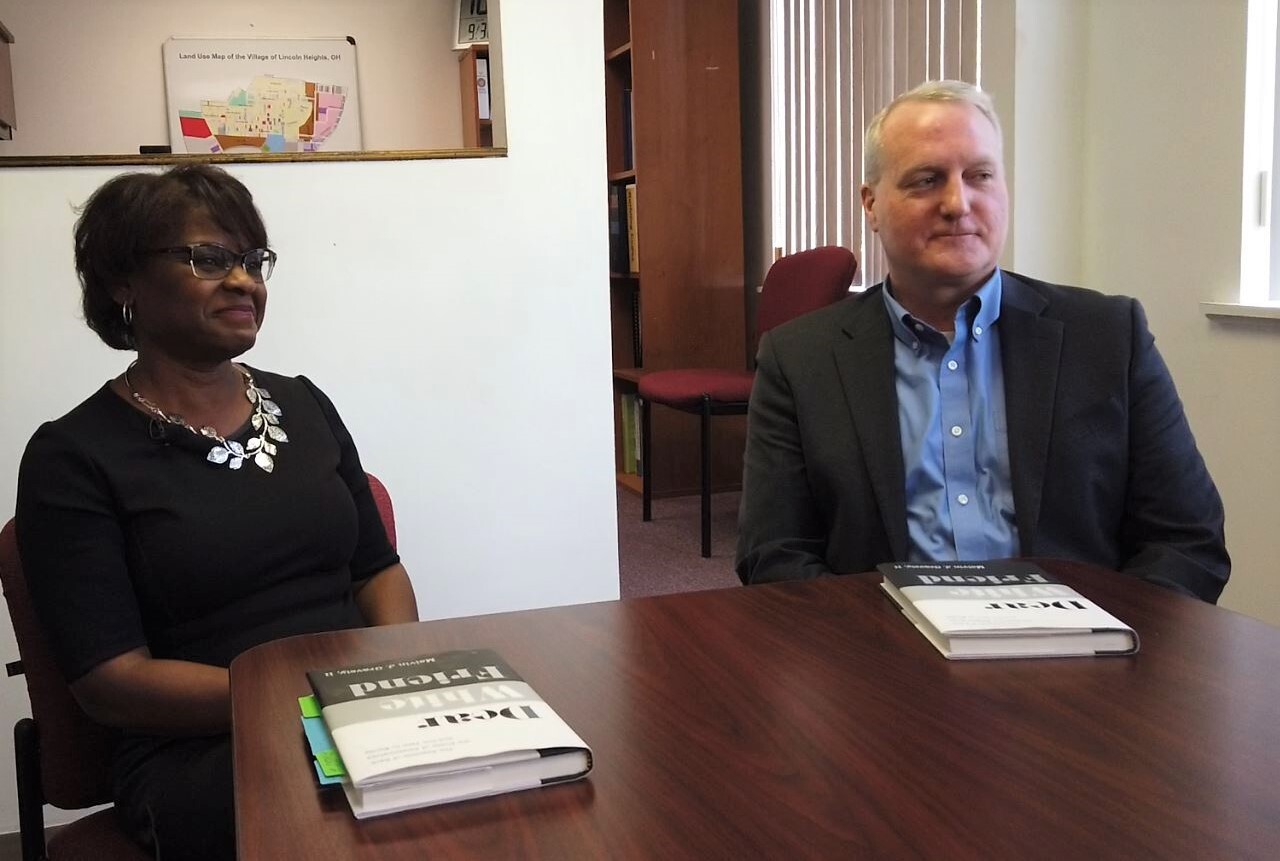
(265, 420)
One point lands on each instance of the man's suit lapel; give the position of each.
(865, 364)
(1030, 345)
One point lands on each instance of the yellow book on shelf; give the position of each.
(633, 241)
(628, 434)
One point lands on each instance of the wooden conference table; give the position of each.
(812, 720)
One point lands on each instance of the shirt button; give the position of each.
(956, 430)
(915, 345)
(919, 327)
(963, 499)
(953, 364)
(977, 330)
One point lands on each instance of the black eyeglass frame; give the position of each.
(267, 263)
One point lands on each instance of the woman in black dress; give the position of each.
(193, 507)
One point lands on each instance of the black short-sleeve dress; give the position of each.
(130, 537)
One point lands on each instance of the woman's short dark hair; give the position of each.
(138, 212)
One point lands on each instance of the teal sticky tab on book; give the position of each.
(317, 735)
(330, 763)
(325, 779)
(310, 706)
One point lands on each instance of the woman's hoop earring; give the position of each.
(126, 314)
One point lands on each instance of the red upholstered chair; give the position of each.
(383, 500)
(798, 283)
(64, 758)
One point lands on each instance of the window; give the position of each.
(833, 65)
(1260, 218)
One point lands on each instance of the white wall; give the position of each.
(1048, 147)
(456, 311)
(1164, 146)
(1127, 141)
(89, 78)
(1031, 66)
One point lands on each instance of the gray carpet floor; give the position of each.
(664, 555)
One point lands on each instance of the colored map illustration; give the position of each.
(270, 115)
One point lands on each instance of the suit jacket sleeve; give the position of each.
(1172, 532)
(781, 535)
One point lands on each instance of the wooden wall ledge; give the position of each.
(248, 158)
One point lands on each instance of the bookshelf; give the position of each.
(673, 131)
(477, 130)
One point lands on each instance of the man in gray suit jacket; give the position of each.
(958, 411)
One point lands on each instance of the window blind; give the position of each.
(833, 65)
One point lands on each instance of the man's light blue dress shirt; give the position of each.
(955, 444)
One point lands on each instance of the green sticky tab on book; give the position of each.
(310, 707)
(330, 763)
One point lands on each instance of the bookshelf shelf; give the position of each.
(674, 179)
(628, 375)
(631, 482)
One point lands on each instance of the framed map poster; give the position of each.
(262, 95)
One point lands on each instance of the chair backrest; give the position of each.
(803, 282)
(75, 752)
(382, 499)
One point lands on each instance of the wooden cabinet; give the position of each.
(477, 105)
(672, 105)
(8, 114)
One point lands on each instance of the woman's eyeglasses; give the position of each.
(213, 262)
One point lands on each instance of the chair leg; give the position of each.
(706, 476)
(646, 462)
(26, 744)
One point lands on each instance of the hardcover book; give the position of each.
(628, 420)
(482, 88)
(440, 728)
(629, 219)
(617, 231)
(1004, 609)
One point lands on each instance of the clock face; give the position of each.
(473, 23)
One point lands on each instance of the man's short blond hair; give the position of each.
(929, 91)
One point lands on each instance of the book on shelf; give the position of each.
(637, 348)
(439, 728)
(628, 131)
(633, 239)
(617, 231)
(482, 87)
(1002, 609)
(637, 434)
(628, 419)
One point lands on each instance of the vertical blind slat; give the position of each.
(951, 39)
(836, 123)
(788, 156)
(969, 41)
(857, 120)
(934, 45)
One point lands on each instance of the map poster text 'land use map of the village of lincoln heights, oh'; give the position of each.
(262, 95)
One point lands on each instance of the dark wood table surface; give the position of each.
(812, 720)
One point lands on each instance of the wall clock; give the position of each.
(473, 23)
